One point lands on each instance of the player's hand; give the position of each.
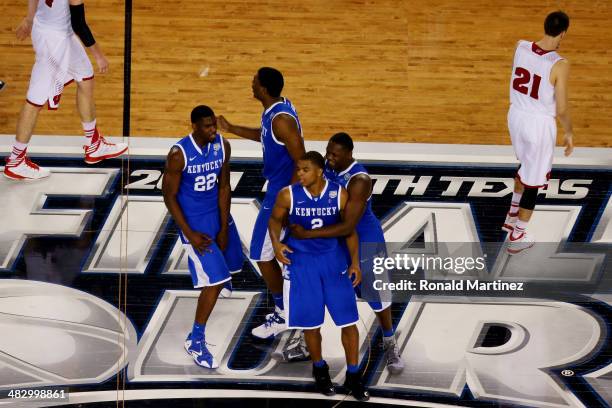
(280, 251)
(200, 241)
(299, 232)
(354, 273)
(24, 30)
(102, 63)
(222, 239)
(568, 142)
(223, 124)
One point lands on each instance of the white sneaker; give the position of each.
(519, 243)
(509, 223)
(275, 323)
(22, 168)
(102, 150)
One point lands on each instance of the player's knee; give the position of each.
(528, 199)
(348, 330)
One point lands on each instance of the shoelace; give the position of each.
(103, 141)
(275, 318)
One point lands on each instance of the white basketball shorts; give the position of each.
(60, 59)
(533, 138)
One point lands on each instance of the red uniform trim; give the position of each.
(539, 50)
(528, 186)
(34, 104)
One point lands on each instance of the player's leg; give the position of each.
(96, 147)
(209, 272)
(353, 382)
(261, 251)
(519, 239)
(513, 212)
(234, 256)
(341, 303)
(18, 165)
(305, 308)
(320, 369)
(538, 137)
(373, 246)
(394, 361)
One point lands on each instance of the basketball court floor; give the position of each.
(95, 296)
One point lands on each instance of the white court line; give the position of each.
(380, 152)
(132, 395)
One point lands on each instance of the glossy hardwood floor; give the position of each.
(385, 70)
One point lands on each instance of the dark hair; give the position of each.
(315, 158)
(272, 80)
(201, 111)
(556, 23)
(344, 140)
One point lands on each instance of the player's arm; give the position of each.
(225, 197)
(81, 29)
(253, 134)
(279, 212)
(359, 190)
(25, 27)
(352, 243)
(171, 182)
(560, 75)
(286, 130)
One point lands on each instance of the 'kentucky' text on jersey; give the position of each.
(198, 194)
(314, 212)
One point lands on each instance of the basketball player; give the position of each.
(316, 272)
(538, 94)
(343, 169)
(60, 60)
(196, 189)
(282, 142)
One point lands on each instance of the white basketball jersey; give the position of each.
(530, 88)
(53, 15)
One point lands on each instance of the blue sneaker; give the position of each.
(227, 289)
(198, 350)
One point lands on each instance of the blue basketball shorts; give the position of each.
(233, 254)
(313, 282)
(261, 244)
(208, 268)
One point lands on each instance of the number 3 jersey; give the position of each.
(530, 87)
(314, 212)
(198, 193)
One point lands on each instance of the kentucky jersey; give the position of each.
(314, 212)
(368, 224)
(199, 192)
(278, 164)
(530, 87)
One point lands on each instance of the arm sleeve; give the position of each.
(79, 25)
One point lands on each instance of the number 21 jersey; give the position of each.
(530, 87)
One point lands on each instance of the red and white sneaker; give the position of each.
(520, 243)
(509, 223)
(22, 168)
(100, 149)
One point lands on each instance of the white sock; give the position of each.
(89, 128)
(514, 205)
(18, 148)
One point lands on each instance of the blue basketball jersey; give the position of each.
(278, 164)
(198, 193)
(314, 212)
(368, 221)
